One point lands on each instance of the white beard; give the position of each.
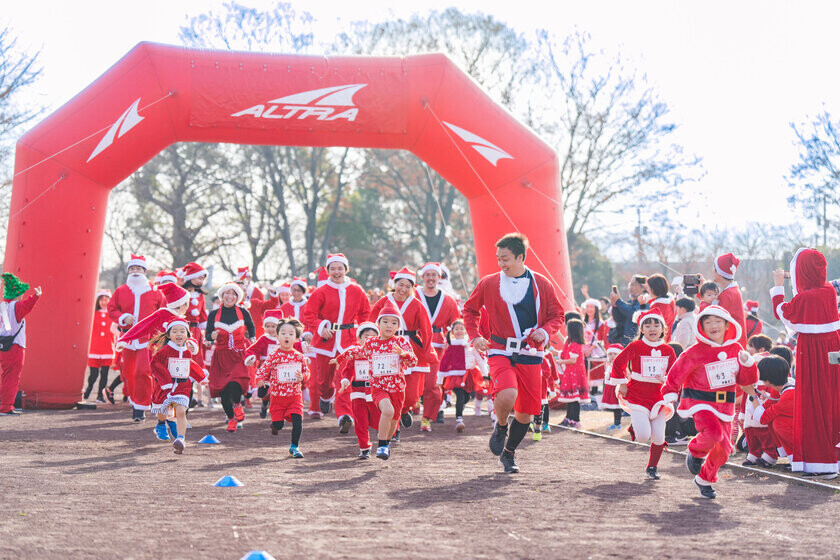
(513, 290)
(138, 283)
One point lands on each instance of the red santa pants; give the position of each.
(324, 384)
(282, 408)
(11, 363)
(413, 389)
(137, 376)
(432, 395)
(365, 416)
(761, 442)
(712, 442)
(525, 378)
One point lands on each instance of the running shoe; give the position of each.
(613, 427)
(406, 420)
(506, 459)
(173, 428)
(161, 432)
(546, 429)
(706, 491)
(459, 426)
(232, 425)
(383, 452)
(178, 445)
(693, 464)
(652, 473)
(364, 453)
(238, 413)
(294, 452)
(497, 439)
(425, 425)
(344, 424)
(325, 406)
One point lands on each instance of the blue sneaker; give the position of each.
(173, 429)
(383, 452)
(546, 428)
(613, 427)
(161, 432)
(294, 452)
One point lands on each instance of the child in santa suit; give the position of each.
(574, 387)
(462, 369)
(101, 350)
(293, 307)
(778, 414)
(355, 375)
(257, 353)
(609, 400)
(251, 295)
(649, 359)
(283, 373)
(173, 373)
(13, 309)
(388, 356)
(707, 374)
(812, 313)
(662, 301)
(550, 376)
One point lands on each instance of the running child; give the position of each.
(574, 387)
(462, 370)
(649, 359)
(609, 400)
(257, 353)
(550, 376)
(355, 373)
(282, 373)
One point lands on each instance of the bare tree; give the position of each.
(17, 71)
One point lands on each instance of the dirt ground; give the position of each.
(92, 484)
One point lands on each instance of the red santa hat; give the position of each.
(231, 286)
(642, 316)
(405, 273)
(243, 273)
(164, 277)
(391, 279)
(284, 288)
(136, 260)
(725, 265)
(614, 349)
(733, 329)
(751, 306)
(590, 301)
(175, 295)
(321, 275)
(191, 271)
(175, 323)
(272, 316)
(298, 282)
(367, 325)
(103, 292)
(338, 257)
(388, 310)
(431, 267)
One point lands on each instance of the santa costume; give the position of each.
(595, 332)
(442, 310)
(251, 295)
(648, 363)
(753, 323)
(13, 310)
(779, 416)
(417, 328)
(609, 400)
(101, 348)
(134, 301)
(462, 370)
(761, 444)
(230, 378)
(294, 308)
(667, 309)
(574, 385)
(730, 296)
(192, 276)
(812, 314)
(338, 308)
(707, 374)
(365, 412)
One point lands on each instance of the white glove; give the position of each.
(250, 360)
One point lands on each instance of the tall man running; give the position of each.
(523, 312)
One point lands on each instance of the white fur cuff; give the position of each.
(777, 291)
(123, 318)
(250, 360)
(670, 397)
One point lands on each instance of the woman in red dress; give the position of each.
(101, 351)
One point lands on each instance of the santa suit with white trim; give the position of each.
(812, 313)
(11, 362)
(101, 349)
(441, 318)
(193, 273)
(332, 305)
(417, 329)
(667, 309)
(172, 379)
(707, 373)
(295, 308)
(253, 295)
(649, 363)
(357, 372)
(730, 296)
(136, 299)
(500, 295)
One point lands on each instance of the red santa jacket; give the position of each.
(550, 373)
(197, 311)
(779, 416)
(139, 303)
(261, 350)
(254, 302)
(285, 371)
(709, 372)
(169, 364)
(387, 368)
(442, 317)
(344, 305)
(357, 372)
(666, 307)
(293, 309)
(152, 326)
(102, 336)
(501, 316)
(813, 308)
(414, 320)
(730, 299)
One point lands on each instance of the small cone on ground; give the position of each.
(209, 438)
(227, 482)
(258, 555)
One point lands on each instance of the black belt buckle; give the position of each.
(720, 396)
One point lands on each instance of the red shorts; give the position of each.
(100, 362)
(396, 399)
(526, 379)
(282, 408)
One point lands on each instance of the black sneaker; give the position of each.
(706, 491)
(764, 464)
(652, 473)
(137, 415)
(506, 459)
(439, 419)
(364, 454)
(275, 428)
(497, 439)
(693, 463)
(325, 406)
(344, 424)
(396, 438)
(406, 420)
(264, 410)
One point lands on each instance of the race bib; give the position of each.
(287, 373)
(385, 364)
(271, 349)
(722, 373)
(179, 368)
(362, 370)
(654, 367)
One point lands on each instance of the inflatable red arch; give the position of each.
(159, 94)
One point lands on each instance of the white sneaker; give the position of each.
(493, 416)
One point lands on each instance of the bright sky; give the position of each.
(734, 73)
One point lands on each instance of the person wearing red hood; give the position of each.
(812, 313)
(730, 293)
(753, 323)
(707, 373)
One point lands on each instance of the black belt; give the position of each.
(187, 380)
(193, 325)
(336, 327)
(709, 396)
(359, 384)
(412, 335)
(437, 330)
(503, 342)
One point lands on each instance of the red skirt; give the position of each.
(470, 382)
(575, 386)
(609, 400)
(228, 366)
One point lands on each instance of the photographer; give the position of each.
(623, 311)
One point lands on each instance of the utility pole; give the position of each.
(640, 254)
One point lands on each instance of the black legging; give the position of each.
(102, 373)
(461, 398)
(542, 417)
(617, 416)
(229, 396)
(297, 427)
(573, 411)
